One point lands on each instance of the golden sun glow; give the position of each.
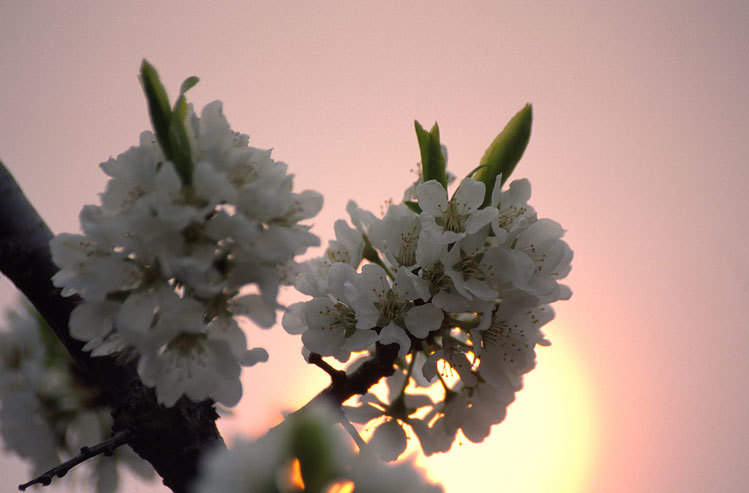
(546, 444)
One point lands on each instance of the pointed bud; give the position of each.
(179, 141)
(432, 160)
(158, 105)
(505, 151)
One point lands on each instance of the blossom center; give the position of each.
(186, 343)
(508, 217)
(391, 306)
(436, 277)
(453, 218)
(345, 317)
(471, 267)
(537, 257)
(509, 340)
(407, 253)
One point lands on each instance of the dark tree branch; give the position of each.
(335, 375)
(171, 439)
(106, 447)
(361, 379)
(358, 382)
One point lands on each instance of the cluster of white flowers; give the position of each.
(161, 261)
(462, 289)
(47, 408)
(274, 464)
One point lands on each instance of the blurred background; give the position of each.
(639, 149)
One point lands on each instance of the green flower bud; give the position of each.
(505, 151)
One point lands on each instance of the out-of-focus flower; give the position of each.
(49, 410)
(310, 449)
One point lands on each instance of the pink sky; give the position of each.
(639, 149)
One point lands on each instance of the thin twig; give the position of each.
(106, 447)
(380, 365)
(360, 443)
(335, 375)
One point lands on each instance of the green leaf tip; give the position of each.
(158, 104)
(168, 124)
(432, 160)
(188, 84)
(180, 142)
(414, 206)
(505, 151)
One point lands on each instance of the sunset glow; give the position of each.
(638, 148)
(546, 443)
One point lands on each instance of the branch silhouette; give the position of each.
(106, 447)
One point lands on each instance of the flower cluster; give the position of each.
(48, 408)
(462, 287)
(162, 260)
(307, 454)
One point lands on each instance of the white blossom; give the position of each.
(162, 265)
(462, 289)
(451, 220)
(397, 235)
(328, 322)
(378, 303)
(508, 344)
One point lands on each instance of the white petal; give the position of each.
(427, 251)
(479, 219)
(423, 319)
(480, 289)
(254, 356)
(293, 320)
(135, 316)
(93, 319)
(459, 362)
(403, 284)
(432, 197)
(307, 204)
(255, 307)
(470, 193)
(429, 370)
(212, 184)
(392, 334)
(338, 275)
(389, 439)
(323, 342)
(361, 340)
(362, 414)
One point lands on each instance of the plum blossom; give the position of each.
(397, 235)
(391, 306)
(451, 220)
(462, 289)
(328, 322)
(163, 266)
